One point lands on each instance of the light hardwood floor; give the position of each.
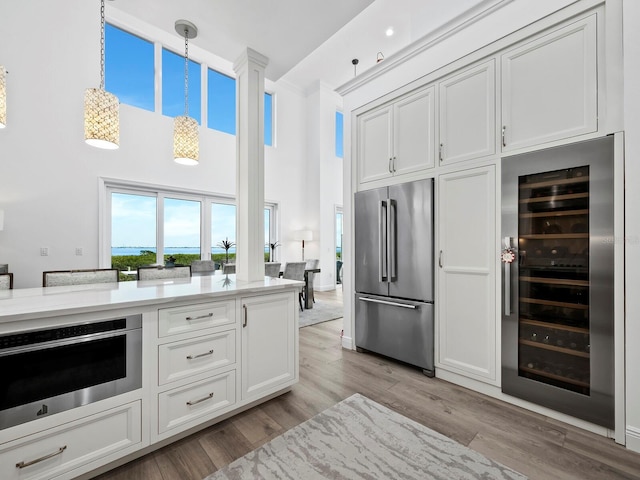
(536, 446)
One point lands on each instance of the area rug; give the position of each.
(322, 311)
(361, 439)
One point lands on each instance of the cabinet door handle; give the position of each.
(504, 135)
(201, 316)
(194, 402)
(191, 357)
(38, 460)
(244, 324)
(440, 259)
(394, 164)
(390, 168)
(440, 151)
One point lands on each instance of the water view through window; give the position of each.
(134, 230)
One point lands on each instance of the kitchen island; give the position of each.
(208, 348)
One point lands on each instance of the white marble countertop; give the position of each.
(30, 303)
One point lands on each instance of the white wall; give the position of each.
(49, 176)
(324, 181)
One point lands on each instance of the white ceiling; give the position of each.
(305, 40)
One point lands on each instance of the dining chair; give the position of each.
(6, 281)
(203, 266)
(60, 278)
(312, 264)
(160, 272)
(229, 268)
(295, 271)
(272, 269)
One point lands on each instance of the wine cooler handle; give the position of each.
(508, 256)
(507, 289)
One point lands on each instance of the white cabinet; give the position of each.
(467, 114)
(549, 86)
(467, 324)
(397, 138)
(199, 400)
(269, 343)
(71, 445)
(192, 318)
(196, 364)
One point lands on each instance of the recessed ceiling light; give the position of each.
(389, 31)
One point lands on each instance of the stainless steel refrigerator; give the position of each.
(394, 272)
(557, 320)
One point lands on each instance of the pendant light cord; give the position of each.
(186, 73)
(101, 44)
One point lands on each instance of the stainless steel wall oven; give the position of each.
(51, 370)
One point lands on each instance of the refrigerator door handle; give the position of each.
(386, 302)
(382, 241)
(391, 240)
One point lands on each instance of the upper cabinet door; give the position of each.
(375, 157)
(549, 86)
(413, 132)
(467, 114)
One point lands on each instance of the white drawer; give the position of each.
(58, 450)
(181, 405)
(190, 318)
(196, 355)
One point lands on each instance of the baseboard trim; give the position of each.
(347, 342)
(633, 438)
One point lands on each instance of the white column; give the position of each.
(249, 70)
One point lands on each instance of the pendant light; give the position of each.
(185, 129)
(101, 108)
(3, 98)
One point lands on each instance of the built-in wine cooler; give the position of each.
(557, 259)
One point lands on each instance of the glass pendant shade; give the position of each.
(101, 119)
(185, 140)
(3, 98)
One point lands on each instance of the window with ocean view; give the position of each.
(182, 229)
(184, 235)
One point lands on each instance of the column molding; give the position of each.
(249, 68)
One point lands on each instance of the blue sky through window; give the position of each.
(268, 119)
(339, 135)
(129, 70)
(173, 86)
(221, 110)
(130, 75)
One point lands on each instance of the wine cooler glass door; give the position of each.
(558, 270)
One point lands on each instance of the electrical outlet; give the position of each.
(44, 251)
(79, 251)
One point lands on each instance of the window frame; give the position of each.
(160, 192)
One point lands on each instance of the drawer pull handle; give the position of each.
(200, 400)
(201, 316)
(37, 460)
(191, 357)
